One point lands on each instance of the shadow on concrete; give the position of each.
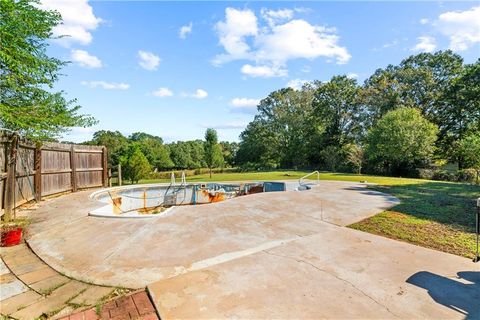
(458, 295)
(369, 192)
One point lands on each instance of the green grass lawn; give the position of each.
(286, 175)
(437, 215)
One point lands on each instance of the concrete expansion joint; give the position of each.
(335, 276)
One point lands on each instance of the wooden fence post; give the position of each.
(119, 174)
(105, 167)
(109, 178)
(37, 180)
(10, 182)
(73, 167)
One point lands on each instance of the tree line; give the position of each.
(142, 153)
(420, 114)
(404, 119)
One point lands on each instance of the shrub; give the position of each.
(426, 173)
(468, 175)
(443, 175)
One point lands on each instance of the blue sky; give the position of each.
(173, 69)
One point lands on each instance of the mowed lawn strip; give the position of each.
(432, 214)
(285, 175)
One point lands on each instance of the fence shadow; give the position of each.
(462, 297)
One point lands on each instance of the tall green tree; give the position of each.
(115, 142)
(469, 150)
(229, 152)
(153, 148)
(27, 74)
(213, 152)
(257, 147)
(187, 154)
(401, 141)
(337, 106)
(355, 156)
(438, 84)
(135, 165)
(459, 114)
(281, 131)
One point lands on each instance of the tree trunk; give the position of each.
(210, 172)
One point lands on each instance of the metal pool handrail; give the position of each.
(300, 181)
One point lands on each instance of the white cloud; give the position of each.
(425, 44)
(462, 27)
(276, 16)
(78, 20)
(299, 39)
(106, 85)
(184, 30)
(297, 84)
(273, 45)
(244, 102)
(84, 59)
(148, 60)
(244, 105)
(424, 21)
(227, 126)
(263, 71)
(199, 94)
(352, 75)
(162, 92)
(238, 24)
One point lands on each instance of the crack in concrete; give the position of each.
(335, 276)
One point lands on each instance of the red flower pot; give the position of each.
(11, 237)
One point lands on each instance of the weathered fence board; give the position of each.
(50, 168)
(3, 174)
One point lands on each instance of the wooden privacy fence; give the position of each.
(31, 171)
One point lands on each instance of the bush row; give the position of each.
(465, 175)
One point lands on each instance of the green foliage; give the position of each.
(213, 151)
(312, 127)
(355, 156)
(187, 154)
(401, 141)
(27, 74)
(135, 165)
(281, 133)
(115, 142)
(229, 152)
(153, 148)
(331, 157)
(337, 107)
(469, 150)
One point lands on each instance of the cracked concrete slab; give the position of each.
(271, 255)
(136, 252)
(335, 274)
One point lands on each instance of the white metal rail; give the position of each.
(301, 180)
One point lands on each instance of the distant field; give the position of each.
(437, 215)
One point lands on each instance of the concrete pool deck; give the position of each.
(270, 255)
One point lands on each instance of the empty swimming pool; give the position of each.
(146, 201)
